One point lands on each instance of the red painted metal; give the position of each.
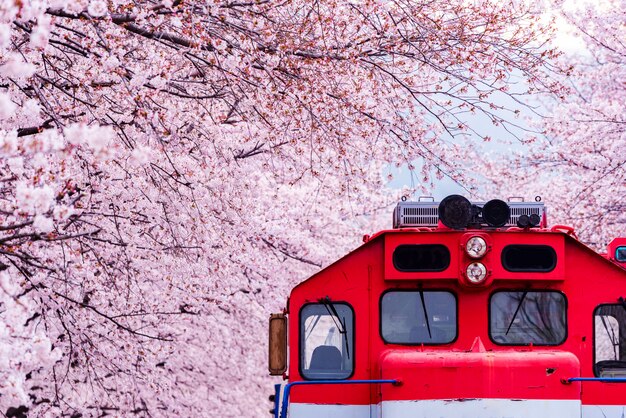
(612, 247)
(480, 374)
(472, 366)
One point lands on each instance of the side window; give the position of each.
(418, 317)
(521, 258)
(326, 341)
(528, 317)
(421, 257)
(610, 340)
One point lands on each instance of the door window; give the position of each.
(326, 340)
(610, 340)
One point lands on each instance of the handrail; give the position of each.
(287, 389)
(276, 409)
(564, 229)
(597, 379)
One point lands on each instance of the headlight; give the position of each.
(496, 213)
(476, 273)
(476, 247)
(455, 212)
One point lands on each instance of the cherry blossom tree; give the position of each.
(579, 164)
(170, 170)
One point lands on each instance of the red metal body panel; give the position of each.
(455, 242)
(480, 374)
(462, 369)
(617, 242)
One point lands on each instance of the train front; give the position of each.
(462, 310)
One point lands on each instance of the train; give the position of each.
(461, 310)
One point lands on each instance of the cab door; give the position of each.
(607, 399)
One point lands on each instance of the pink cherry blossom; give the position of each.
(173, 169)
(15, 66)
(578, 165)
(33, 200)
(97, 8)
(42, 223)
(41, 32)
(7, 107)
(5, 36)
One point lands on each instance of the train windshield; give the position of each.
(326, 340)
(418, 317)
(528, 317)
(610, 340)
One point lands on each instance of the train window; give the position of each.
(528, 317)
(541, 258)
(422, 257)
(326, 340)
(610, 340)
(418, 317)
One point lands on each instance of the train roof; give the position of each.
(567, 233)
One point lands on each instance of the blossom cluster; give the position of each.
(171, 169)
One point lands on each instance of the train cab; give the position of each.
(461, 310)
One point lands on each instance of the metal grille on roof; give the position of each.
(418, 214)
(415, 214)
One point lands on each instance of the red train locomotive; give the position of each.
(462, 310)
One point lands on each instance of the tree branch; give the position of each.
(112, 319)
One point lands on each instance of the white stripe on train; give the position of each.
(471, 408)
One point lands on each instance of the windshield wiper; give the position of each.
(341, 326)
(425, 313)
(516, 311)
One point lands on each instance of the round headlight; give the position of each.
(476, 247)
(455, 211)
(476, 273)
(496, 213)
